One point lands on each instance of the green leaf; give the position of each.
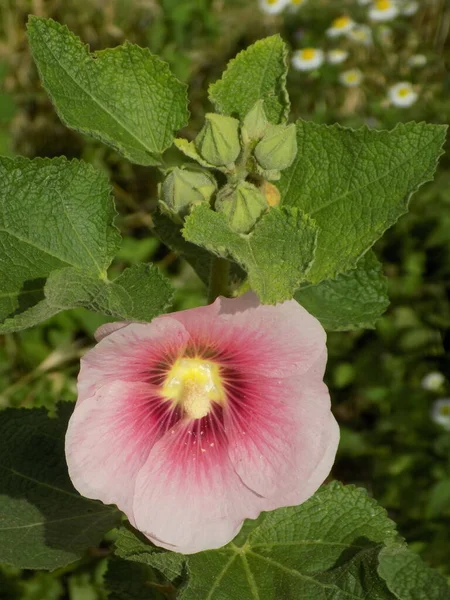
(131, 581)
(170, 234)
(276, 254)
(356, 184)
(140, 293)
(124, 96)
(53, 214)
(259, 72)
(352, 300)
(325, 548)
(130, 547)
(409, 578)
(44, 522)
(58, 239)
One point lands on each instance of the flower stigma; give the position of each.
(308, 53)
(403, 92)
(383, 4)
(194, 384)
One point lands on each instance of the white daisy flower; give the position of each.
(296, 4)
(361, 34)
(340, 26)
(383, 10)
(307, 59)
(402, 94)
(351, 78)
(417, 60)
(273, 7)
(410, 8)
(337, 56)
(440, 413)
(433, 381)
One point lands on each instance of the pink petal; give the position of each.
(274, 341)
(109, 438)
(131, 353)
(187, 497)
(275, 434)
(109, 328)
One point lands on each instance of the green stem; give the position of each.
(218, 278)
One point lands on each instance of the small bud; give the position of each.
(255, 123)
(271, 194)
(218, 141)
(242, 205)
(184, 188)
(278, 148)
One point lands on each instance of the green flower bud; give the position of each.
(184, 188)
(218, 141)
(242, 205)
(255, 123)
(278, 148)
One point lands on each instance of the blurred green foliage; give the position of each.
(390, 444)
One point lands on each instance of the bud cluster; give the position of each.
(249, 153)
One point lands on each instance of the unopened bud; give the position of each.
(255, 123)
(184, 188)
(271, 194)
(218, 141)
(242, 205)
(278, 148)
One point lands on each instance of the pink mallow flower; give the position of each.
(203, 418)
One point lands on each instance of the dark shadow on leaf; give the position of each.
(31, 292)
(52, 525)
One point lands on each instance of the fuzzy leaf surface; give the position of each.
(276, 254)
(326, 549)
(259, 72)
(53, 214)
(409, 578)
(140, 293)
(126, 97)
(355, 184)
(44, 522)
(131, 547)
(353, 300)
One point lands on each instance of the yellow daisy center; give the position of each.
(308, 53)
(351, 77)
(383, 4)
(194, 384)
(340, 22)
(403, 92)
(272, 2)
(445, 411)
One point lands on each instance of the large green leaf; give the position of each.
(352, 300)
(409, 578)
(44, 522)
(259, 72)
(356, 184)
(140, 293)
(53, 214)
(326, 549)
(58, 239)
(131, 547)
(124, 96)
(276, 254)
